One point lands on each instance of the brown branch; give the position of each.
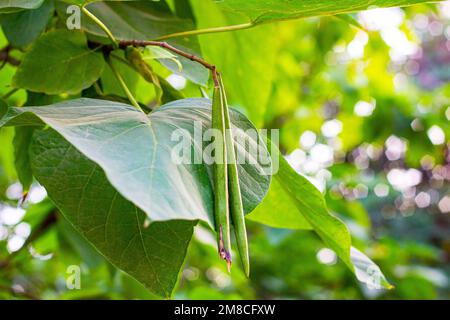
(4, 56)
(165, 45)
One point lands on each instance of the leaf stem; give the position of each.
(207, 30)
(123, 85)
(101, 25)
(98, 89)
(10, 93)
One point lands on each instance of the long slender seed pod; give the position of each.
(234, 190)
(221, 205)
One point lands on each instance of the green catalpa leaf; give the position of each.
(59, 62)
(151, 254)
(17, 5)
(23, 27)
(273, 10)
(146, 20)
(137, 152)
(293, 202)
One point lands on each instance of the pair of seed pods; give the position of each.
(228, 208)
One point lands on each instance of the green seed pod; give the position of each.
(234, 191)
(221, 205)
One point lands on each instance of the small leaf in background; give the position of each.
(59, 62)
(23, 27)
(237, 216)
(136, 60)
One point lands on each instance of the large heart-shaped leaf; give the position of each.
(272, 10)
(293, 202)
(152, 254)
(136, 152)
(59, 62)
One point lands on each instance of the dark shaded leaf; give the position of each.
(153, 255)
